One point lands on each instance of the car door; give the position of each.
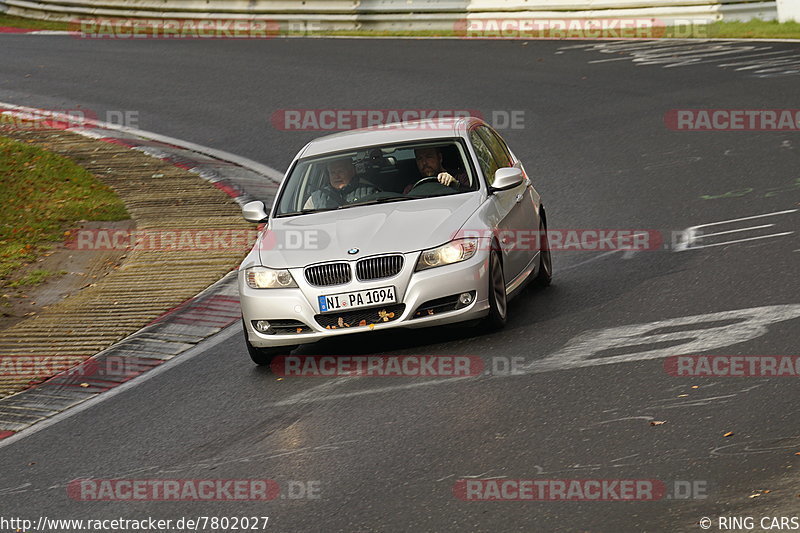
(506, 206)
(526, 218)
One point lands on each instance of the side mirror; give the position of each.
(255, 211)
(506, 178)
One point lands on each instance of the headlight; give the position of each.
(268, 278)
(447, 254)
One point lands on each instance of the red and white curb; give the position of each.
(26, 31)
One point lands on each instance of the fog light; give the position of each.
(262, 326)
(465, 298)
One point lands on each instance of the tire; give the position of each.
(545, 274)
(498, 298)
(264, 356)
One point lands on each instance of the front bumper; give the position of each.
(413, 289)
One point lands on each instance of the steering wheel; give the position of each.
(425, 180)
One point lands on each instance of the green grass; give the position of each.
(32, 24)
(43, 194)
(754, 29)
(35, 277)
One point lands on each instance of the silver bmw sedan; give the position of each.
(414, 224)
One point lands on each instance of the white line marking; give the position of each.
(697, 59)
(743, 57)
(692, 234)
(780, 62)
(746, 218)
(704, 235)
(746, 57)
(741, 240)
(592, 260)
(626, 58)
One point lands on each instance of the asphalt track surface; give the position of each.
(386, 452)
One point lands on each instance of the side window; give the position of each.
(497, 146)
(485, 157)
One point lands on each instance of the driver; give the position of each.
(429, 164)
(343, 186)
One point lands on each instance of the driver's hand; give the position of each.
(445, 179)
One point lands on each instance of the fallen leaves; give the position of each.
(657, 422)
(728, 434)
(383, 315)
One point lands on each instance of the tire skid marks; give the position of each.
(758, 59)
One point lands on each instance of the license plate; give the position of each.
(353, 300)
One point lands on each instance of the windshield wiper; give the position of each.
(383, 200)
(306, 211)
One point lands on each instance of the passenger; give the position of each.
(429, 164)
(343, 187)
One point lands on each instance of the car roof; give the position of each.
(396, 132)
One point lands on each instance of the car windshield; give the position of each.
(378, 174)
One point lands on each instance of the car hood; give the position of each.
(404, 226)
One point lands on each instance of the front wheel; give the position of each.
(264, 356)
(498, 299)
(545, 275)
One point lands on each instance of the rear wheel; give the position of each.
(498, 299)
